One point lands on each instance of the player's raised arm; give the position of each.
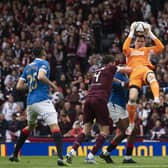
(159, 47)
(127, 42)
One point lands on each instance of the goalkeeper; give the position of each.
(138, 58)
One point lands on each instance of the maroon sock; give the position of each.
(99, 142)
(129, 149)
(112, 146)
(79, 140)
(58, 142)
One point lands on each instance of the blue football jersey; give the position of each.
(37, 90)
(119, 94)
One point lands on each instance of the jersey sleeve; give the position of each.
(113, 69)
(126, 46)
(44, 67)
(157, 48)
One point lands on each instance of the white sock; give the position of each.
(90, 155)
(106, 153)
(127, 157)
(72, 151)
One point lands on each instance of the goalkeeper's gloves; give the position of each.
(148, 28)
(132, 29)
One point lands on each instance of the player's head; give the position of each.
(139, 41)
(108, 59)
(39, 52)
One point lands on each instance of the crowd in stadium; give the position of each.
(76, 34)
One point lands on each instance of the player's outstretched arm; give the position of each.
(124, 69)
(158, 44)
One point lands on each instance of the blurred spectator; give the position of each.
(65, 123)
(143, 114)
(157, 131)
(13, 130)
(10, 108)
(75, 35)
(69, 111)
(75, 131)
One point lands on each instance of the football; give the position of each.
(139, 27)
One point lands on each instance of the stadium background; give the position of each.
(76, 34)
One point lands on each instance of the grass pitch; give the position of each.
(78, 162)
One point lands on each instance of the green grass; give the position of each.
(78, 162)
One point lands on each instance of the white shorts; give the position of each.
(45, 110)
(117, 112)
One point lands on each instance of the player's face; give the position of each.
(44, 54)
(140, 42)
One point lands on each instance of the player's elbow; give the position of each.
(162, 47)
(125, 50)
(19, 86)
(40, 77)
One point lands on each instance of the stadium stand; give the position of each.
(75, 35)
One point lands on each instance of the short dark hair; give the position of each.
(38, 51)
(107, 59)
(140, 34)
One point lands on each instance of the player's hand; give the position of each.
(147, 27)
(54, 87)
(132, 29)
(133, 26)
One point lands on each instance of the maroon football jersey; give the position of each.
(102, 82)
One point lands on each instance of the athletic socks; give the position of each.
(131, 108)
(99, 142)
(79, 140)
(111, 146)
(23, 136)
(58, 142)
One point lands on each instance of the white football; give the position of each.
(139, 27)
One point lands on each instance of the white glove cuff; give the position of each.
(152, 36)
(131, 34)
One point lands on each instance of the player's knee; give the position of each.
(151, 77)
(133, 94)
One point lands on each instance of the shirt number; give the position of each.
(96, 75)
(32, 81)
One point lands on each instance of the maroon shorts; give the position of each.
(96, 109)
